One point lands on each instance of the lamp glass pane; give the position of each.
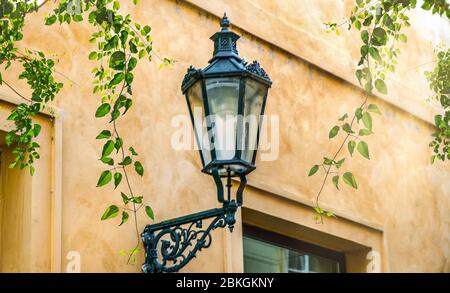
(223, 97)
(255, 94)
(198, 116)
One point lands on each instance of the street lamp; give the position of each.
(226, 102)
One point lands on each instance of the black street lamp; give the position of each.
(226, 102)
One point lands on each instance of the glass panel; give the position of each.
(254, 97)
(201, 133)
(223, 96)
(264, 257)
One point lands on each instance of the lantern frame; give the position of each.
(226, 63)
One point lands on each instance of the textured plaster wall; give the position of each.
(398, 190)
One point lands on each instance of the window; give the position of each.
(268, 252)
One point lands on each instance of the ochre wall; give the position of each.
(400, 209)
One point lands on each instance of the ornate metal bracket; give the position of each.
(177, 244)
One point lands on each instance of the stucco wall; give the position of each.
(400, 195)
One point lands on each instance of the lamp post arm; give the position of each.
(177, 244)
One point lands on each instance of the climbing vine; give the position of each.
(380, 24)
(119, 44)
(439, 80)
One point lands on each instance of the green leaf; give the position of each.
(138, 168)
(77, 17)
(365, 37)
(50, 20)
(364, 132)
(136, 199)
(381, 86)
(104, 179)
(363, 149)
(104, 134)
(375, 54)
(127, 161)
(135, 2)
(9, 138)
(335, 180)
(149, 212)
(132, 63)
(364, 50)
(125, 198)
(379, 36)
(350, 180)
(133, 152)
(117, 60)
(111, 212)
(93, 55)
(108, 147)
(313, 170)
(118, 77)
(107, 160)
(351, 147)
(403, 38)
(358, 114)
(374, 109)
(116, 5)
(367, 120)
(117, 179)
(339, 163)
(343, 117)
(118, 144)
(327, 161)
(333, 132)
(36, 129)
(125, 217)
(347, 128)
(102, 110)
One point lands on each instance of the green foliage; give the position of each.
(439, 80)
(380, 23)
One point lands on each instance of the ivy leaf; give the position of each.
(102, 110)
(50, 20)
(138, 167)
(137, 199)
(132, 63)
(125, 217)
(365, 37)
(36, 129)
(333, 132)
(111, 212)
(347, 128)
(133, 152)
(117, 179)
(358, 114)
(107, 160)
(363, 149)
(127, 161)
(379, 36)
(351, 147)
(367, 120)
(374, 109)
(327, 161)
(335, 180)
(125, 198)
(93, 55)
(375, 54)
(104, 179)
(104, 134)
(381, 86)
(117, 60)
(108, 147)
(313, 170)
(149, 212)
(343, 117)
(350, 180)
(118, 77)
(339, 163)
(364, 132)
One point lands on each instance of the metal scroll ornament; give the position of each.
(178, 240)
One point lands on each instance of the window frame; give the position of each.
(293, 244)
